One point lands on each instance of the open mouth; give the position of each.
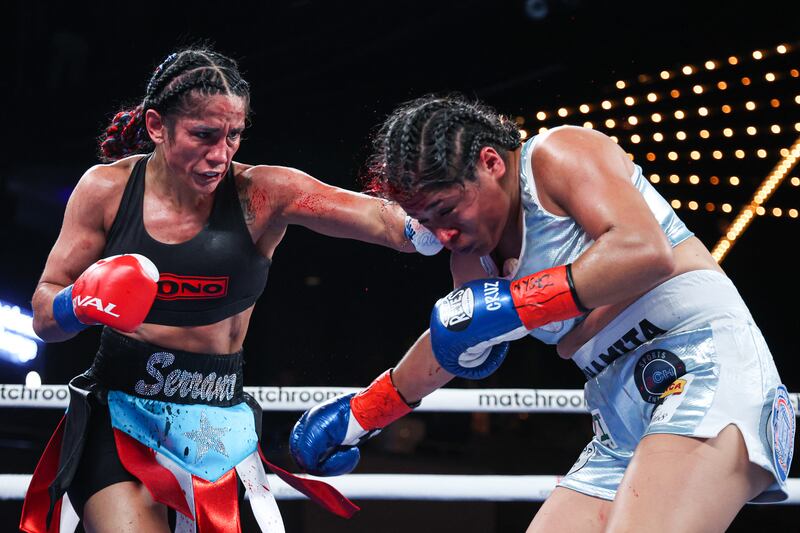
(206, 177)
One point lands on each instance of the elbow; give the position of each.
(660, 261)
(40, 328)
(45, 327)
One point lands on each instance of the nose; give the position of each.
(446, 236)
(218, 154)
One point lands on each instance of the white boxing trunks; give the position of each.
(685, 359)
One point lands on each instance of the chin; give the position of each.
(479, 249)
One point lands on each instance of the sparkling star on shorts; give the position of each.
(207, 438)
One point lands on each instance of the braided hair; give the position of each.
(173, 90)
(433, 142)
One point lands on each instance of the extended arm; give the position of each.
(301, 199)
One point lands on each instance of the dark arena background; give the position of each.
(705, 96)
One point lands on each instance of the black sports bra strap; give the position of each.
(130, 206)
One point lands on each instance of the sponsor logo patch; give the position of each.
(655, 371)
(175, 287)
(676, 387)
(600, 429)
(783, 424)
(455, 310)
(671, 399)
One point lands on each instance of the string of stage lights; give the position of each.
(759, 106)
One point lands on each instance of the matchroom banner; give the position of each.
(302, 398)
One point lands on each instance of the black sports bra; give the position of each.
(212, 276)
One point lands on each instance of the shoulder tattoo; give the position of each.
(253, 200)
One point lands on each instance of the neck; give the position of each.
(510, 244)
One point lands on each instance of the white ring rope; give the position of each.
(429, 487)
(302, 398)
(381, 486)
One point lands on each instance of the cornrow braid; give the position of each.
(125, 135)
(157, 72)
(172, 90)
(434, 142)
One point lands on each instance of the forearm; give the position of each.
(393, 232)
(346, 214)
(44, 324)
(617, 268)
(418, 373)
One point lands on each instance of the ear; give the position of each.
(156, 127)
(492, 161)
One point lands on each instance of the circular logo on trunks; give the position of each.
(655, 371)
(783, 428)
(455, 309)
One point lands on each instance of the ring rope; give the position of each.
(429, 487)
(302, 398)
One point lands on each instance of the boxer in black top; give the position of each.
(190, 234)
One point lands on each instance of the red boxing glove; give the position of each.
(546, 296)
(117, 291)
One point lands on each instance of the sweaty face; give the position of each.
(201, 145)
(466, 219)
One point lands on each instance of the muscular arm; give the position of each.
(298, 198)
(595, 321)
(584, 174)
(80, 243)
(418, 373)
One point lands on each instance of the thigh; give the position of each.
(99, 465)
(124, 508)
(568, 511)
(699, 483)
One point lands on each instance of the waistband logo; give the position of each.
(184, 383)
(636, 336)
(175, 287)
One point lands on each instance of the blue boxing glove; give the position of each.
(325, 440)
(320, 443)
(471, 326)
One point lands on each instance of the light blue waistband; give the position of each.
(205, 440)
